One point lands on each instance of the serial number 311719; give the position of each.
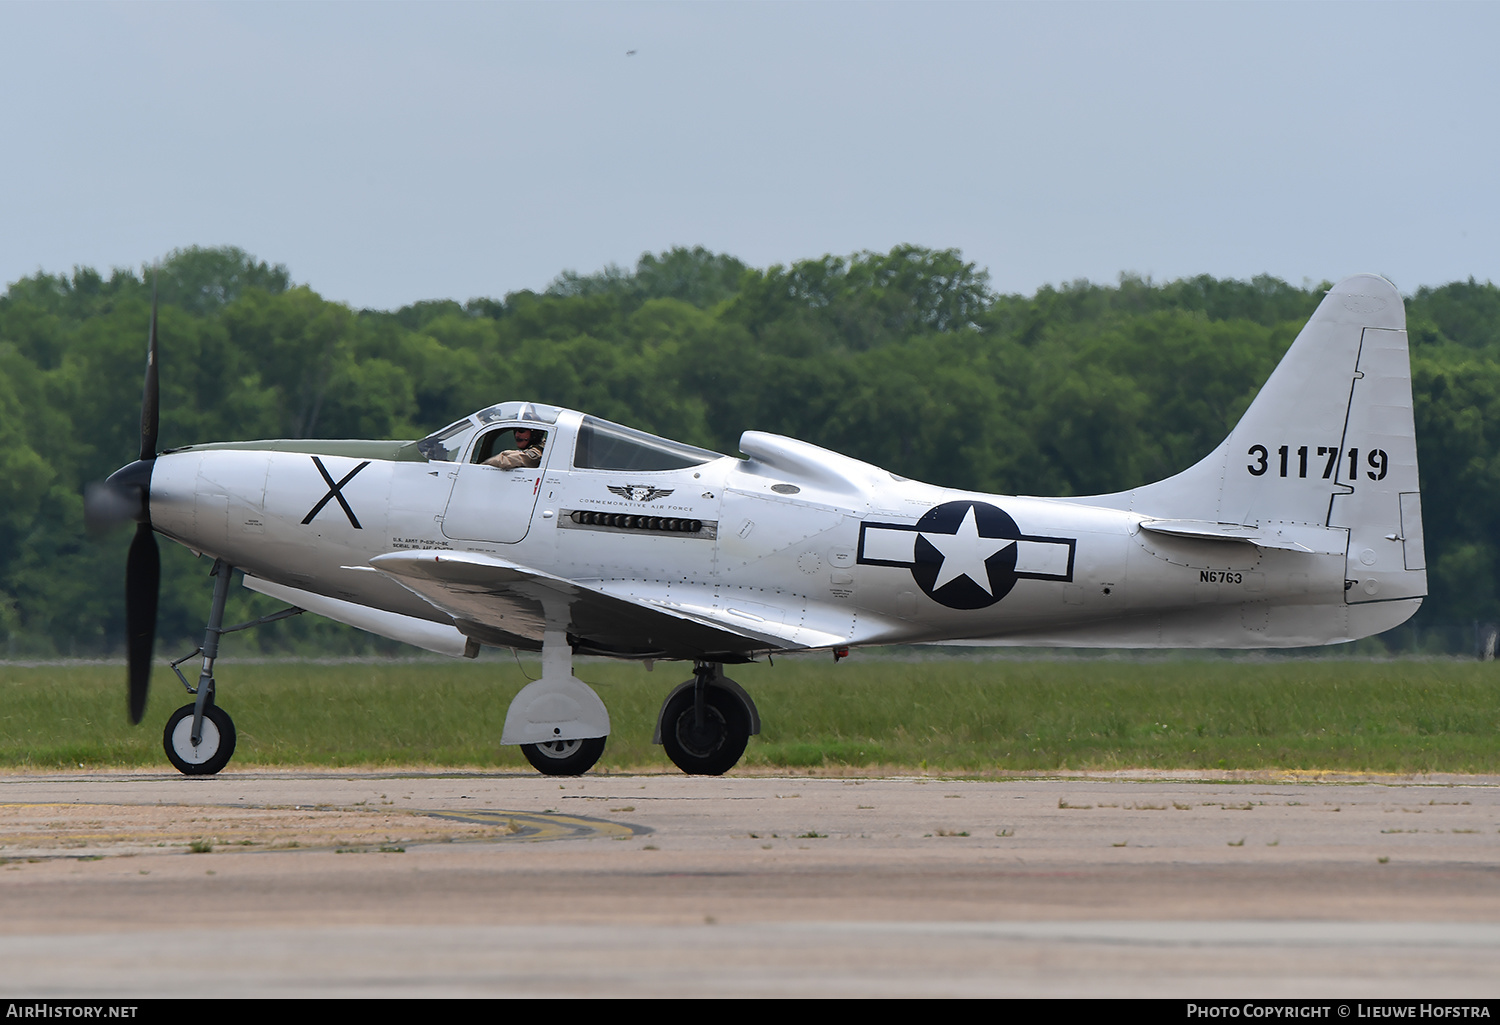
(1288, 458)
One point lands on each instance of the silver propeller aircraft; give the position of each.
(1304, 527)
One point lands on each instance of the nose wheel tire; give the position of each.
(712, 748)
(564, 757)
(214, 749)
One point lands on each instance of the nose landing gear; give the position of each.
(215, 744)
(199, 738)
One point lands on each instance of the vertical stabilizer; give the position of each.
(1328, 442)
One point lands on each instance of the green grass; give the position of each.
(949, 714)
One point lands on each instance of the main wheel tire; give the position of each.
(715, 748)
(214, 750)
(564, 757)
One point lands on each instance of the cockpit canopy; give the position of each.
(535, 412)
(606, 446)
(447, 445)
(600, 445)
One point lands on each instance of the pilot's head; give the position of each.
(526, 437)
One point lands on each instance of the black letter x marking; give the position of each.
(335, 492)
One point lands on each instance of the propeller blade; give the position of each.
(151, 391)
(142, 585)
(130, 492)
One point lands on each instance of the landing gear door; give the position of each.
(488, 503)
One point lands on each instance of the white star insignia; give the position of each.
(965, 553)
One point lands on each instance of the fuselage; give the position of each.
(811, 547)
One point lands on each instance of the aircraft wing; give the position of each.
(501, 602)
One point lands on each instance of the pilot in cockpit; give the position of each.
(526, 454)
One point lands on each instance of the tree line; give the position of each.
(906, 359)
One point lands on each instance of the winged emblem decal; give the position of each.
(639, 492)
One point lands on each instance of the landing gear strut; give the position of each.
(706, 722)
(199, 737)
(558, 720)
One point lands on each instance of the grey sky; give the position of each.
(394, 152)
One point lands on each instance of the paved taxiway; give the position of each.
(475, 884)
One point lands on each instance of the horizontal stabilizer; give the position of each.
(1288, 538)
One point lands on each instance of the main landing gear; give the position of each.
(199, 737)
(706, 722)
(558, 720)
(561, 725)
(564, 757)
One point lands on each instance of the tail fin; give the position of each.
(1329, 442)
